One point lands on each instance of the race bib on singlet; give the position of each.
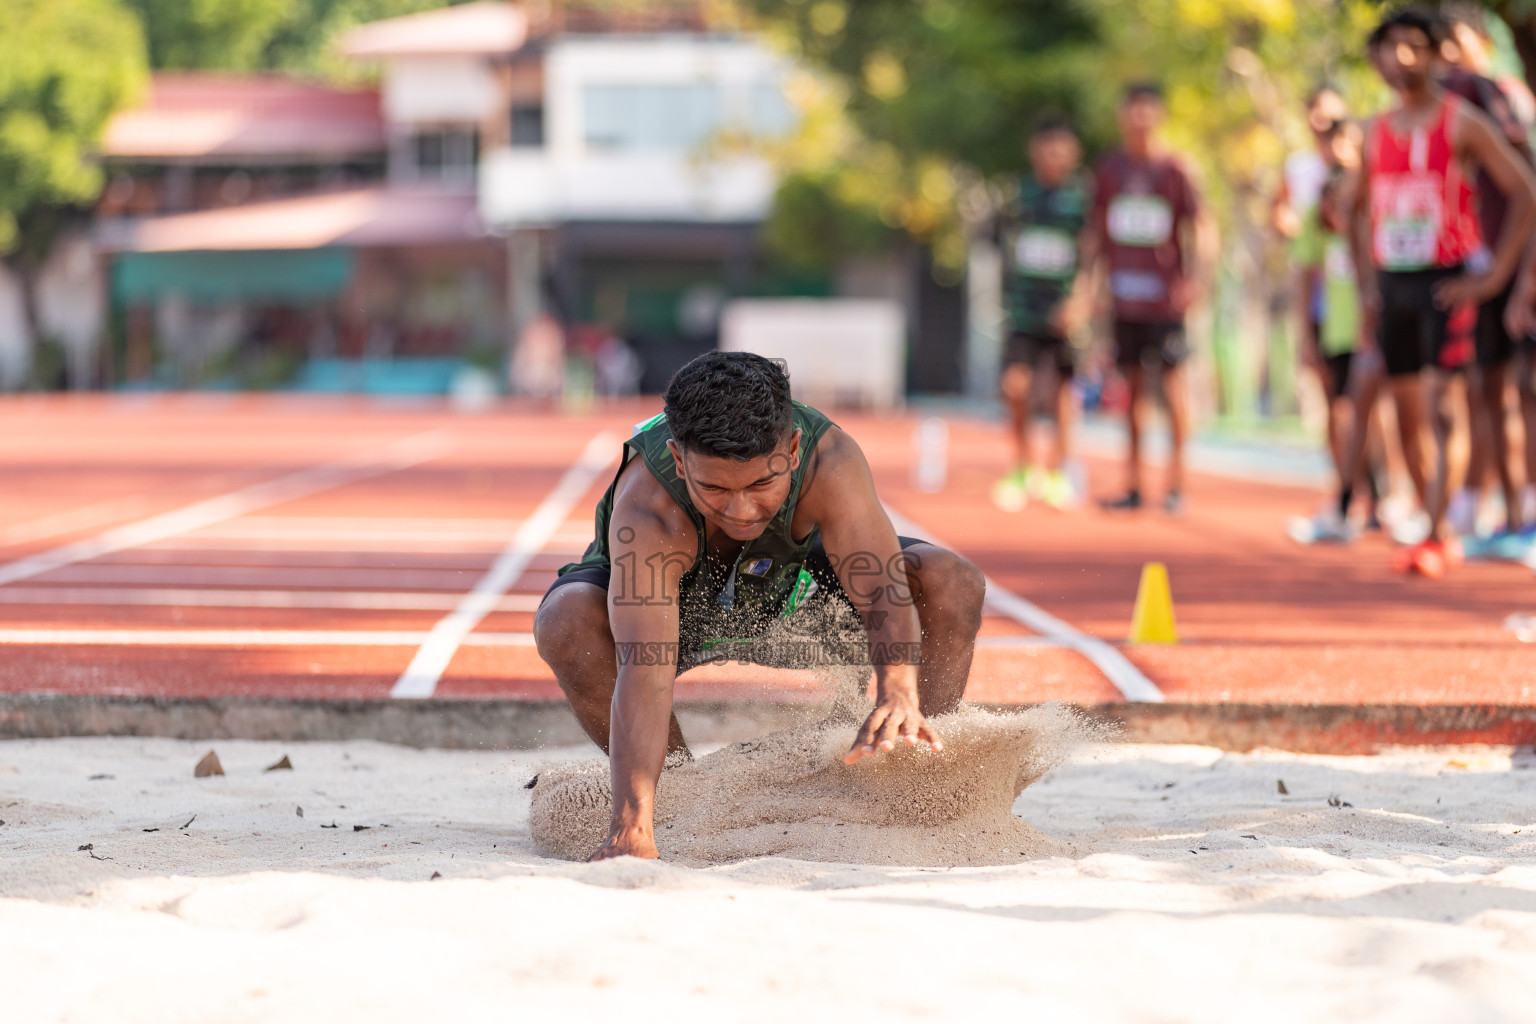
(1407, 217)
(1139, 220)
(1045, 252)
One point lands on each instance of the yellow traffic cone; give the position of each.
(1152, 621)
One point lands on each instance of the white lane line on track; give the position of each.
(245, 638)
(71, 520)
(419, 680)
(1127, 678)
(362, 600)
(401, 454)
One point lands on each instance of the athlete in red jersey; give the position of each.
(1416, 227)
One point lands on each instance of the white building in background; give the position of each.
(617, 153)
(638, 128)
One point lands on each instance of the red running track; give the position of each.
(331, 593)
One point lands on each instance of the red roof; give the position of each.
(193, 115)
(356, 217)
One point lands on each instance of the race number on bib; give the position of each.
(1407, 215)
(1144, 221)
(1045, 252)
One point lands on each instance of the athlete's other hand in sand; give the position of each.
(738, 510)
(897, 718)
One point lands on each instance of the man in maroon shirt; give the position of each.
(1149, 236)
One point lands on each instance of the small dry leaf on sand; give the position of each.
(209, 765)
(281, 766)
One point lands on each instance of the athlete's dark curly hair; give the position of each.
(734, 405)
(1411, 16)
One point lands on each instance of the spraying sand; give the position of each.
(789, 794)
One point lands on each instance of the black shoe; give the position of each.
(1130, 502)
(1173, 503)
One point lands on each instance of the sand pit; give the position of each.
(1399, 888)
(790, 795)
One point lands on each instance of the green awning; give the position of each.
(270, 275)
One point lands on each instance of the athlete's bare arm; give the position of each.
(839, 496)
(652, 543)
(1479, 141)
(1365, 265)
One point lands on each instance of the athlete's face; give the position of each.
(1053, 155)
(1139, 117)
(1407, 58)
(740, 498)
(1473, 47)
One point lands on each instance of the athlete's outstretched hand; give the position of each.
(894, 720)
(1520, 314)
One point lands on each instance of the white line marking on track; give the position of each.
(419, 680)
(362, 600)
(401, 454)
(246, 638)
(1127, 678)
(71, 520)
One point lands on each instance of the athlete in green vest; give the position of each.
(733, 510)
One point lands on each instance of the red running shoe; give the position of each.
(1429, 559)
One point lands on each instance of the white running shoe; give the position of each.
(1324, 528)
(1410, 530)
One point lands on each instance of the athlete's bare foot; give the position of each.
(630, 841)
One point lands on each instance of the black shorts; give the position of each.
(1494, 345)
(816, 562)
(1413, 332)
(1336, 380)
(1039, 350)
(1149, 344)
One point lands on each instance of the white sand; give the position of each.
(1199, 895)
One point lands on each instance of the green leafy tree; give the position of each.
(65, 66)
(227, 34)
(937, 95)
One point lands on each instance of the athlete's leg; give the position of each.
(1525, 385)
(1177, 404)
(572, 634)
(1066, 415)
(1135, 382)
(1408, 403)
(1486, 404)
(1363, 391)
(1445, 405)
(1016, 383)
(948, 592)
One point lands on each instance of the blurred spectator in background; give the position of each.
(538, 363)
(1306, 171)
(1326, 268)
(616, 369)
(1470, 30)
(1461, 73)
(1147, 232)
(1041, 268)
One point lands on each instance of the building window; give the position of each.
(442, 154)
(650, 116)
(528, 125)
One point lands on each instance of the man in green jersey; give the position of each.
(736, 509)
(1040, 266)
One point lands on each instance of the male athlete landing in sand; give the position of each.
(731, 509)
